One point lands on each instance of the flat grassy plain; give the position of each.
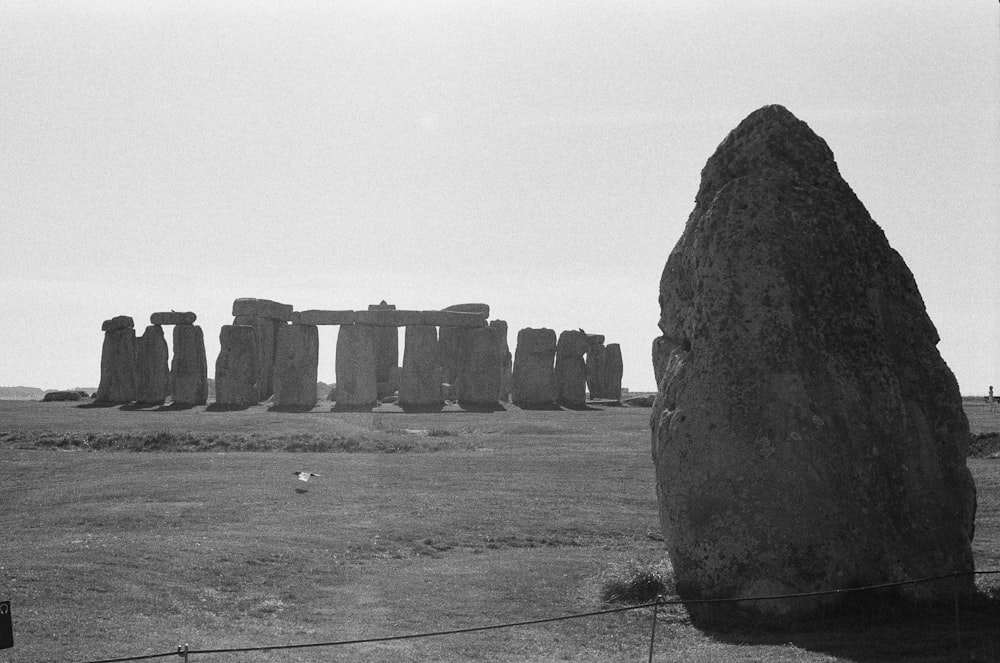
(417, 523)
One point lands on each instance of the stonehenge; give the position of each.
(271, 353)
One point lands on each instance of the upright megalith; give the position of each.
(596, 358)
(386, 353)
(236, 369)
(296, 366)
(613, 371)
(480, 368)
(420, 378)
(807, 434)
(506, 369)
(533, 382)
(265, 316)
(571, 369)
(356, 386)
(152, 367)
(450, 341)
(117, 361)
(189, 367)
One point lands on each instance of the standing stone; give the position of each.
(236, 369)
(807, 434)
(266, 332)
(152, 368)
(117, 362)
(386, 353)
(420, 379)
(356, 388)
(481, 368)
(571, 369)
(533, 383)
(613, 371)
(296, 366)
(596, 357)
(189, 367)
(503, 395)
(450, 342)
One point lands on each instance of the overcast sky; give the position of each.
(541, 157)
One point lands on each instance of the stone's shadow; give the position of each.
(420, 409)
(175, 407)
(337, 407)
(578, 408)
(481, 407)
(301, 491)
(134, 407)
(291, 408)
(877, 630)
(216, 407)
(537, 406)
(100, 405)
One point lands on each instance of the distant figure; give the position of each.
(992, 402)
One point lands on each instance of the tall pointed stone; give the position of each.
(189, 367)
(420, 379)
(596, 358)
(355, 368)
(296, 366)
(152, 368)
(117, 361)
(533, 382)
(807, 434)
(236, 369)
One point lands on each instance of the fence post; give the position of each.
(652, 631)
(182, 651)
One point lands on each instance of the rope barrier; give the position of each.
(184, 651)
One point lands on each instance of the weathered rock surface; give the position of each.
(51, 396)
(614, 368)
(356, 368)
(172, 318)
(296, 366)
(571, 369)
(264, 308)
(451, 336)
(386, 352)
(117, 323)
(807, 434)
(152, 367)
(117, 363)
(266, 330)
(508, 361)
(189, 367)
(533, 383)
(596, 359)
(420, 379)
(480, 368)
(236, 367)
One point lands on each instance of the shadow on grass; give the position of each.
(291, 408)
(216, 407)
(481, 407)
(876, 629)
(338, 407)
(538, 406)
(577, 407)
(100, 405)
(175, 407)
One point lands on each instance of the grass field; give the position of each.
(417, 523)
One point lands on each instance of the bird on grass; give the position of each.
(305, 476)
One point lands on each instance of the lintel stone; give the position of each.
(264, 308)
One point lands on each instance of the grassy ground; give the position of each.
(422, 523)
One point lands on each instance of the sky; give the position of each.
(540, 157)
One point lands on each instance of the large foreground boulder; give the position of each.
(807, 434)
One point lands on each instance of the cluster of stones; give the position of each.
(807, 434)
(272, 351)
(135, 368)
(551, 372)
